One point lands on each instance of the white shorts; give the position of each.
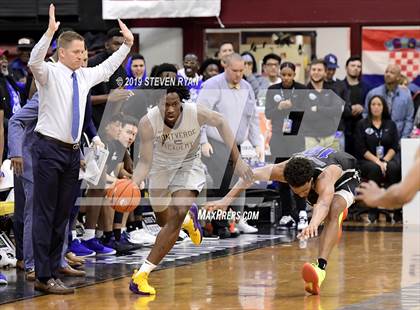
(347, 189)
(347, 196)
(163, 184)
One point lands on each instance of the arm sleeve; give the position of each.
(254, 84)
(36, 62)
(208, 97)
(103, 71)
(254, 134)
(270, 105)
(408, 121)
(17, 124)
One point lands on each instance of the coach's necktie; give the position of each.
(76, 116)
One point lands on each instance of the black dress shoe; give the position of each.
(52, 287)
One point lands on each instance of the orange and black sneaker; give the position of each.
(313, 277)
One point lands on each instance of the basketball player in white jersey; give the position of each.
(170, 156)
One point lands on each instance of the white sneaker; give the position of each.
(141, 236)
(245, 228)
(303, 220)
(287, 222)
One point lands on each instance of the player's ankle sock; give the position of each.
(147, 267)
(322, 263)
(117, 234)
(89, 234)
(107, 236)
(187, 218)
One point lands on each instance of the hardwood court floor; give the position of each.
(366, 271)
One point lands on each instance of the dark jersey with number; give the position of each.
(321, 158)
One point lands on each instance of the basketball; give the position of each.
(125, 196)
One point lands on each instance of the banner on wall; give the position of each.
(381, 47)
(113, 9)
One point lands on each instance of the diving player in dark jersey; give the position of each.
(328, 180)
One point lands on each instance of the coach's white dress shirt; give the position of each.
(55, 87)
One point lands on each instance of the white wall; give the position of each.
(159, 45)
(336, 41)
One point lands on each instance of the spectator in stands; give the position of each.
(189, 75)
(332, 64)
(9, 91)
(135, 69)
(377, 143)
(101, 93)
(115, 221)
(354, 94)
(209, 68)
(270, 65)
(404, 80)
(190, 67)
(285, 110)
(250, 72)
(225, 49)
(399, 101)
(10, 96)
(218, 93)
(19, 66)
(323, 110)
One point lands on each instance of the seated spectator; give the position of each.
(189, 76)
(19, 66)
(250, 72)
(10, 96)
(377, 142)
(136, 69)
(284, 109)
(209, 68)
(399, 101)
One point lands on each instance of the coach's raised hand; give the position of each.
(128, 36)
(52, 24)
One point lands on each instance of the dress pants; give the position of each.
(56, 171)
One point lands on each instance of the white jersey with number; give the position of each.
(175, 147)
